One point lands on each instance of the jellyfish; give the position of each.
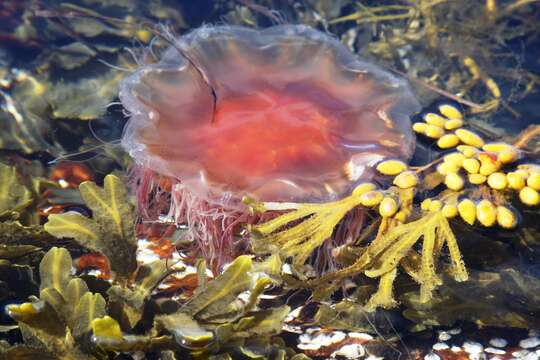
(283, 114)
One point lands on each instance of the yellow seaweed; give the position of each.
(435, 231)
(317, 224)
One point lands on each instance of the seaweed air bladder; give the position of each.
(282, 114)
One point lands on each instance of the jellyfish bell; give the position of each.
(282, 114)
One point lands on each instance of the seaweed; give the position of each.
(398, 242)
(110, 230)
(317, 225)
(59, 66)
(64, 310)
(14, 196)
(68, 320)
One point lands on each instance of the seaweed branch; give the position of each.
(317, 222)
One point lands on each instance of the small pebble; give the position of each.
(498, 342)
(440, 346)
(455, 331)
(531, 356)
(492, 350)
(304, 338)
(362, 336)
(349, 351)
(520, 354)
(533, 332)
(530, 342)
(308, 346)
(432, 356)
(338, 336)
(477, 356)
(456, 349)
(444, 336)
(472, 347)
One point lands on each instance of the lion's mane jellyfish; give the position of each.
(282, 114)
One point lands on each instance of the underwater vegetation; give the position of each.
(345, 179)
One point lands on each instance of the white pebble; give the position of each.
(492, 350)
(455, 331)
(323, 339)
(477, 356)
(338, 336)
(472, 347)
(304, 338)
(498, 342)
(444, 336)
(307, 346)
(531, 356)
(362, 336)
(440, 346)
(432, 356)
(520, 354)
(530, 342)
(286, 269)
(349, 351)
(294, 314)
(455, 349)
(373, 357)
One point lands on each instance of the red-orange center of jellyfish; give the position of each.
(269, 133)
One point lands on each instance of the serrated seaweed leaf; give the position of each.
(13, 195)
(75, 290)
(110, 205)
(90, 307)
(216, 299)
(215, 320)
(44, 326)
(74, 225)
(264, 322)
(60, 319)
(110, 230)
(106, 328)
(185, 329)
(14, 233)
(16, 251)
(55, 269)
(55, 299)
(150, 275)
(131, 301)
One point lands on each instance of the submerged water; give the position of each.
(61, 119)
